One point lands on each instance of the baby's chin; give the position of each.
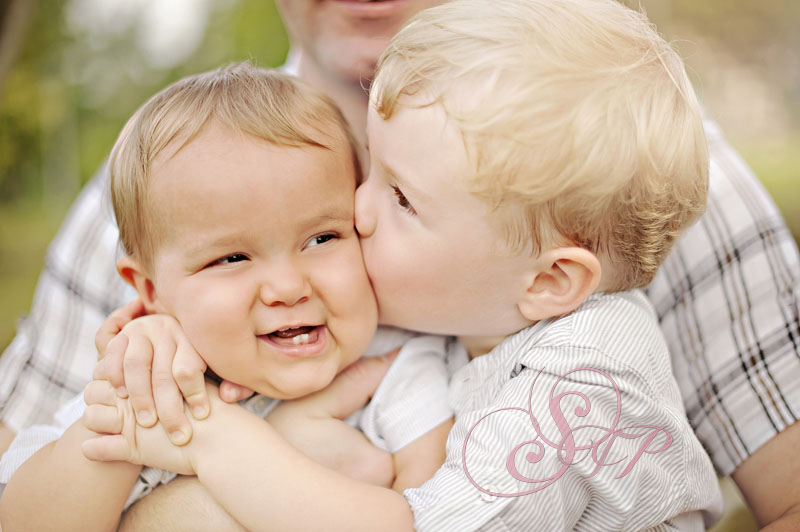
(286, 391)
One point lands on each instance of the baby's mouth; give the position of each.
(295, 336)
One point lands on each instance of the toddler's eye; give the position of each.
(320, 239)
(402, 200)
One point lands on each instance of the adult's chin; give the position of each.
(353, 61)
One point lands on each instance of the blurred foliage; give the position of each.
(744, 58)
(71, 89)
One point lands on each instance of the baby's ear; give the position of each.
(136, 275)
(563, 279)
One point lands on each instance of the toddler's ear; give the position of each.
(135, 274)
(563, 279)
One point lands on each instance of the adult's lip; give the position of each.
(378, 10)
(312, 340)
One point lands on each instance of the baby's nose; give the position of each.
(284, 285)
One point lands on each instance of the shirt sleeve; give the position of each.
(411, 400)
(502, 474)
(31, 439)
(727, 300)
(52, 357)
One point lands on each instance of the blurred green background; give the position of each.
(72, 71)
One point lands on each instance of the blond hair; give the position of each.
(578, 116)
(263, 103)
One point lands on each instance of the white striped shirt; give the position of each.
(497, 397)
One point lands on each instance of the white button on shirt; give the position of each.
(487, 496)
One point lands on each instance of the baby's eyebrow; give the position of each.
(202, 243)
(334, 215)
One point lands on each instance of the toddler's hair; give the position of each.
(578, 117)
(266, 104)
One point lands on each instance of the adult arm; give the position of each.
(183, 505)
(774, 497)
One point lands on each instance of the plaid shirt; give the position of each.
(727, 299)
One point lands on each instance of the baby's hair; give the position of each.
(266, 104)
(579, 118)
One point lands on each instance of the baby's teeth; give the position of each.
(300, 339)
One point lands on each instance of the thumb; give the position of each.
(115, 322)
(352, 388)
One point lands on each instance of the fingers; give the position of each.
(101, 414)
(232, 393)
(188, 369)
(137, 365)
(106, 448)
(111, 366)
(167, 395)
(103, 419)
(99, 392)
(151, 361)
(115, 322)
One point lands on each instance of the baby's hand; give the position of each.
(152, 360)
(121, 438)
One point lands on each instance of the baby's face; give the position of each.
(436, 262)
(260, 262)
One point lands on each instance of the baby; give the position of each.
(234, 194)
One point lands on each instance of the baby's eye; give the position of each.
(402, 200)
(230, 259)
(321, 239)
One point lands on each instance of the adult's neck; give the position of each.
(351, 97)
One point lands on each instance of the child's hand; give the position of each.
(121, 438)
(313, 424)
(114, 324)
(152, 356)
(152, 360)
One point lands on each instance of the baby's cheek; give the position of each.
(214, 328)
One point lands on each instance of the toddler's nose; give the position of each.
(365, 213)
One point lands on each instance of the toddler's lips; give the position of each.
(305, 341)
